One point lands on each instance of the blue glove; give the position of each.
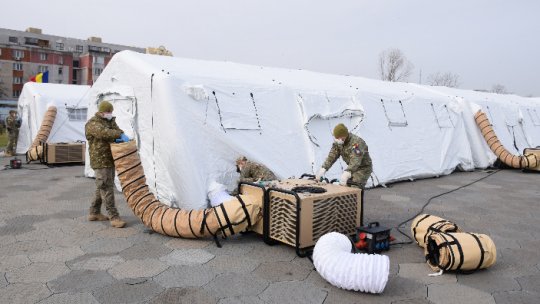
(123, 138)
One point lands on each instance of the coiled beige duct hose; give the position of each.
(35, 152)
(514, 161)
(425, 225)
(235, 215)
(461, 251)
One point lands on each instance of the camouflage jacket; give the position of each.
(100, 133)
(12, 125)
(354, 152)
(253, 172)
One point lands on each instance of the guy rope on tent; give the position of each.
(35, 152)
(228, 218)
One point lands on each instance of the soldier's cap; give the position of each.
(12, 111)
(340, 131)
(240, 159)
(105, 106)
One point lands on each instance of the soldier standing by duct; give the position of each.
(354, 152)
(12, 124)
(102, 130)
(253, 172)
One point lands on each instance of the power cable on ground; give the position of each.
(400, 225)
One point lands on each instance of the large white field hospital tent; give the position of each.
(192, 118)
(71, 107)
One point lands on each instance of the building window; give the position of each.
(43, 56)
(17, 66)
(60, 46)
(61, 60)
(17, 80)
(60, 70)
(99, 60)
(97, 71)
(77, 113)
(79, 48)
(42, 68)
(31, 41)
(16, 93)
(13, 39)
(17, 54)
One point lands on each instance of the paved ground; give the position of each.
(49, 253)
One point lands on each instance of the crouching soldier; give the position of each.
(253, 172)
(354, 152)
(102, 130)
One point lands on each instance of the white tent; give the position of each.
(515, 119)
(71, 114)
(192, 118)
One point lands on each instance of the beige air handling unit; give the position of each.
(298, 212)
(63, 153)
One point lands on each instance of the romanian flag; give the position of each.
(41, 77)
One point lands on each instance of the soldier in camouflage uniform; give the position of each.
(354, 152)
(102, 130)
(252, 171)
(12, 125)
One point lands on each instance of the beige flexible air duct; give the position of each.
(425, 225)
(232, 216)
(35, 152)
(459, 251)
(515, 161)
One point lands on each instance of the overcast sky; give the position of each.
(485, 42)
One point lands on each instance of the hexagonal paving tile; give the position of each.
(233, 285)
(128, 292)
(10, 263)
(24, 293)
(145, 250)
(107, 246)
(138, 269)
(293, 292)
(235, 264)
(80, 281)
(183, 296)
(56, 254)
(185, 276)
(187, 257)
(70, 298)
(281, 271)
(37, 272)
(456, 293)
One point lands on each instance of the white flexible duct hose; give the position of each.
(334, 261)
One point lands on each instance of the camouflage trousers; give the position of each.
(104, 192)
(12, 142)
(361, 177)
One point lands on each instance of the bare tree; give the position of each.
(499, 89)
(394, 66)
(447, 79)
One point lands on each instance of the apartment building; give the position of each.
(24, 54)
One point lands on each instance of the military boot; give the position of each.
(116, 222)
(97, 217)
